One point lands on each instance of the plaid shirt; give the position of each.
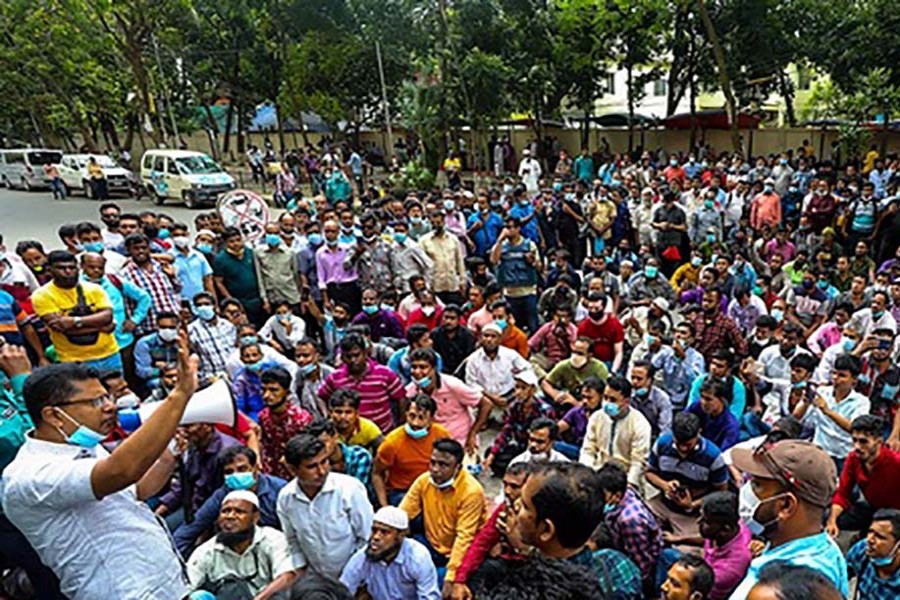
(212, 342)
(518, 418)
(718, 333)
(636, 533)
(868, 584)
(163, 296)
(357, 463)
(276, 431)
(619, 577)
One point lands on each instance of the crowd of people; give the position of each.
(680, 370)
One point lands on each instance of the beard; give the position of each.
(381, 555)
(230, 538)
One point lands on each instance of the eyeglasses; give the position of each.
(97, 402)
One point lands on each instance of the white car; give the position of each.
(73, 171)
(192, 177)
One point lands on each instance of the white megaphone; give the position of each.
(213, 404)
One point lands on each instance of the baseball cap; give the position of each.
(526, 376)
(802, 467)
(392, 517)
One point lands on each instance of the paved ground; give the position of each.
(36, 215)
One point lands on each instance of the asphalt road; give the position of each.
(37, 216)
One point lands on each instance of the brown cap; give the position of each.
(802, 467)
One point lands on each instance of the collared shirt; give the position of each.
(452, 515)
(878, 484)
(828, 435)
(818, 552)
(555, 347)
(625, 439)
(267, 488)
(722, 430)
(120, 296)
(446, 253)
(778, 365)
(379, 389)
(745, 316)
(239, 276)
(374, 264)
(276, 431)
(410, 575)
(518, 417)
(191, 267)
(644, 288)
(325, 531)
(150, 350)
(162, 292)
(307, 390)
(635, 532)
(678, 374)
(454, 401)
(48, 496)
(51, 299)
(334, 266)
(869, 584)
(276, 272)
(408, 259)
(201, 470)
(865, 322)
(495, 375)
(384, 323)
(716, 333)
(357, 462)
(729, 562)
(213, 342)
(265, 559)
(619, 577)
(701, 469)
(275, 329)
(656, 407)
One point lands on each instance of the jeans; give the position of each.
(524, 309)
(113, 362)
(58, 189)
(570, 451)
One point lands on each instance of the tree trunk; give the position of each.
(142, 81)
(630, 76)
(787, 92)
(130, 121)
(722, 69)
(241, 141)
(229, 114)
(214, 132)
(280, 126)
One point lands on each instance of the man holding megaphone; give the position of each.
(80, 506)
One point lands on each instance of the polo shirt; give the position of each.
(410, 575)
(239, 277)
(452, 515)
(366, 433)
(407, 458)
(729, 562)
(50, 298)
(191, 269)
(703, 468)
(378, 388)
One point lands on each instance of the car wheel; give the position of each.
(5, 182)
(189, 200)
(157, 199)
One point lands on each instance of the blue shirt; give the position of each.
(139, 299)
(678, 374)
(702, 467)
(738, 395)
(868, 584)
(191, 270)
(148, 350)
(723, 431)
(410, 575)
(399, 364)
(529, 229)
(817, 552)
(267, 488)
(485, 238)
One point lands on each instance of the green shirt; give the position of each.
(14, 419)
(239, 277)
(566, 377)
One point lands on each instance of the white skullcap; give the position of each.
(245, 495)
(205, 232)
(492, 327)
(661, 303)
(392, 517)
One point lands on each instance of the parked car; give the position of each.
(24, 167)
(192, 177)
(73, 170)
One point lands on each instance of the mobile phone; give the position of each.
(304, 294)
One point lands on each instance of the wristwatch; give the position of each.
(78, 322)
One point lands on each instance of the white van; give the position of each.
(192, 177)
(24, 167)
(73, 171)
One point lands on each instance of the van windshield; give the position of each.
(44, 158)
(198, 165)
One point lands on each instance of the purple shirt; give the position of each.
(577, 420)
(199, 468)
(381, 324)
(334, 266)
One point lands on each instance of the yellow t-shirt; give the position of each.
(51, 299)
(368, 432)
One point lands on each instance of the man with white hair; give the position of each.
(244, 558)
(392, 565)
(530, 171)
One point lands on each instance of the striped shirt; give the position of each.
(213, 342)
(378, 388)
(704, 467)
(156, 283)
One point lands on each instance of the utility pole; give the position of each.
(384, 102)
(165, 89)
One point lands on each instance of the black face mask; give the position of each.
(596, 315)
(111, 221)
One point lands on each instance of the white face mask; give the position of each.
(168, 334)
(748, 504)
(578, 360)
(427, 310)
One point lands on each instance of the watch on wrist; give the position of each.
(78, 322)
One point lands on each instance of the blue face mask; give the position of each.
(387, 307)
(696, 261)
(205, 248)
(848, 344)
(877, 314)
(240, 481)
(822, 283)
(883, 561)
(708, 203)
(416, 434)
(651, 271)
(423, 382)
(609, 507)
(777, 314)
(83, 436)
(711, 238)
(308, 369)
(415, 220)
(255, 367)
(641, 392)
(315, 239)
(501, 323)
(400, 237)
(206, 312)
(273, 239)
(93, 246)
(370, 309)
(163, 233)
(611, 409)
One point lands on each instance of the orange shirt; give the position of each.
(406, 458)
(515, 339)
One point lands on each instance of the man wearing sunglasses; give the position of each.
(80, 506)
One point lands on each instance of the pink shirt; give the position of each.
(554, 347)
(729, 562)
(479, 319)
(454, 399)
(765, 209)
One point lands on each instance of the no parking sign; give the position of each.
(245, 210)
